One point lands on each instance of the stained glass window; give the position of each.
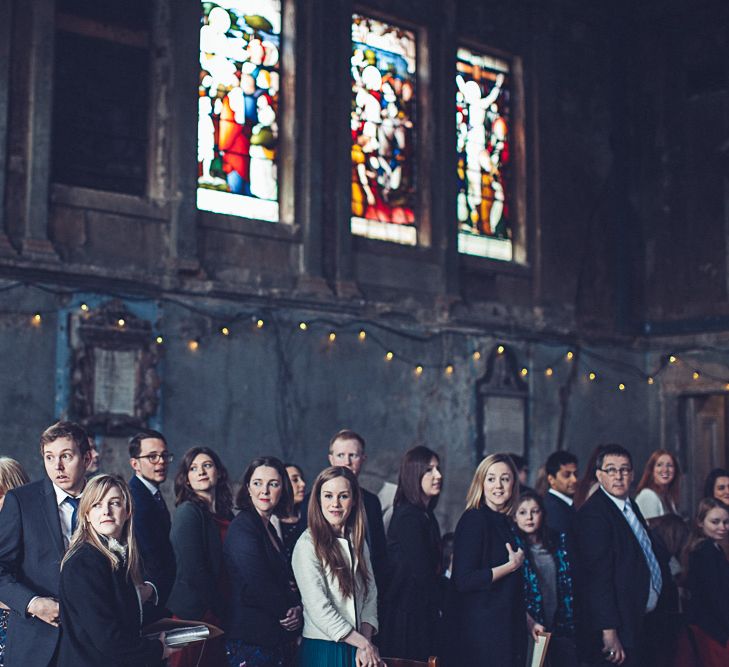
(383, 131)
(483, 126)
(238, 108)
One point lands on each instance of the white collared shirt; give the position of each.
(150, 487)
(65, 512)
(562, 496)
(620, 504)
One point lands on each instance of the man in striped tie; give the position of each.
(621, 572)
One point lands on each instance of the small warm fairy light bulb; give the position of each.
(570, 355)
(621, 386)
(36, 319)
(696, 375)
(332, 336)
(121, 322)
(84, 307)
(418, 370)
(592, 376)
(193, 345)
(500, 349)
(389, 356)
(549, 372)
(259, 324)
(476, 355)
(726, 386)
(672, 359)
(160, 340)
(303, 326)
(651, 380)
(225, 331)
(362, 334)
(449, 369)
(524, 372)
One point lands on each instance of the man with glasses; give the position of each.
(149, 458)
(621, 571)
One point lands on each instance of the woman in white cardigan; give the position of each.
(332, 568)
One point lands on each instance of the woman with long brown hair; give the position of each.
(334, 573)
(658, 489)
(412, 599)
(99, 588)
(204, 504)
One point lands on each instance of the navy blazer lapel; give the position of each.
(50, 512)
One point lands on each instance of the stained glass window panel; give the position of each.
(238, 108)
(383, 112)
(483, 130)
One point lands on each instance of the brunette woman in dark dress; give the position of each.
(412, 598)
(292, 526)
(204, 504)
(489, 624)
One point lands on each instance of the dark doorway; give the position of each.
(705, 442)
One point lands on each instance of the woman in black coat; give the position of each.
(264, 613)
(100, 607)
(489, 621)
(411, 600)
(204, 511)
(708, 584)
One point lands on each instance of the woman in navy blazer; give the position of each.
(490, 616)
(100, 574)
(204, 511)
(264, 612)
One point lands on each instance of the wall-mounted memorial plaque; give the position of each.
(501, 406)
(114, 380)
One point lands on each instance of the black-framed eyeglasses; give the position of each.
(614, 472)
(156, 458)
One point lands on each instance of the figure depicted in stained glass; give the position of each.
(482, 123)
(238, 107)
(383, 131)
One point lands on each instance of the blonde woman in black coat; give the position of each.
(100, 585)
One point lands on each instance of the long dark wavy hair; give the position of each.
(326, 547)
(223, 493)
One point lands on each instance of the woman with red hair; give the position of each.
(658, 488)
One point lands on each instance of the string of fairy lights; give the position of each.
(593, 367)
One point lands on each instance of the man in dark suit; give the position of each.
(561, 469)
(347, 448)
(35, 529)
(150, 458)
(621, 572)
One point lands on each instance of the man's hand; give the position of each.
(612, 647)
(292, 620)
(46, 609)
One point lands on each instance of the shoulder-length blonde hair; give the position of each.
(96, 488)
(12, 475)
(668, 496)
(475, 495)
(697, 536)
(326, 547)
